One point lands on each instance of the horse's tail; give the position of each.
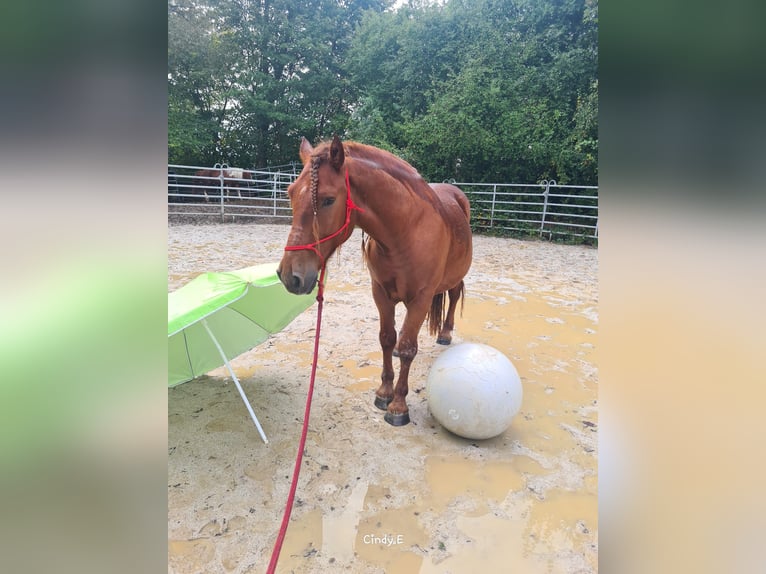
(436, 314)
(461, 295)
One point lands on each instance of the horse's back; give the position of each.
(451, 194)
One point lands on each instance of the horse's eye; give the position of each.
(328, 201)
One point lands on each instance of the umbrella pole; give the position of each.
(236, 382)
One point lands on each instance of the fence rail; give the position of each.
(228, 193)
(546, 209)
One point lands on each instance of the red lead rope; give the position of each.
(350, 206)
(302, 444)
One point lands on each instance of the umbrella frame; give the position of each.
(236, 381)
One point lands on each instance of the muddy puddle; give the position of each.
(371, 497)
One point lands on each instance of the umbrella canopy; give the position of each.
(218, 316)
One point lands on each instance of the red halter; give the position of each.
(350, 206)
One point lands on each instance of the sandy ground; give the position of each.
(373, 498)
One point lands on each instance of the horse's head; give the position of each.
(322, 207)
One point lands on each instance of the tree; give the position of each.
(259, 74)
(194, 88)
(487, 90)
(479, 90)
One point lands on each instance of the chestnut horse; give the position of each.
(418, 247)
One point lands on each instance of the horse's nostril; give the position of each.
(279, 274)
(296, 282)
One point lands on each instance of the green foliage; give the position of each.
(246, 79)
(189, 133)
(489, 90)
(475, 90)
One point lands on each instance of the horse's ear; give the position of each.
(306, 150)
(337, 156)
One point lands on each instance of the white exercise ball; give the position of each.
(474, 390)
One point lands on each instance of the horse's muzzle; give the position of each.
(298, 283)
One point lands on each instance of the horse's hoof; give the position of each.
(382, 403)
(443, 341)
(397, 420)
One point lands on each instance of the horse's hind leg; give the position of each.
(445, 335)
(387, 336)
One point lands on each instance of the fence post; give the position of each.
(492, 210)
(545, 202)
(220, 178)
(274, 194)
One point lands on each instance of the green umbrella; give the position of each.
(218, 316)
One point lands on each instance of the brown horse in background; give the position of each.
(234, 178)
(419, 245)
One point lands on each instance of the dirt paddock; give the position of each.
(373, 498)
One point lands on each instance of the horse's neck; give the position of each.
(388, 211)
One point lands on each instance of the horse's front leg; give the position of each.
(397, 413)
(385, 393)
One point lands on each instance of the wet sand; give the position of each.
(371, 497)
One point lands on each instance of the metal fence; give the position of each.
(229, 193)
(546, 209)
